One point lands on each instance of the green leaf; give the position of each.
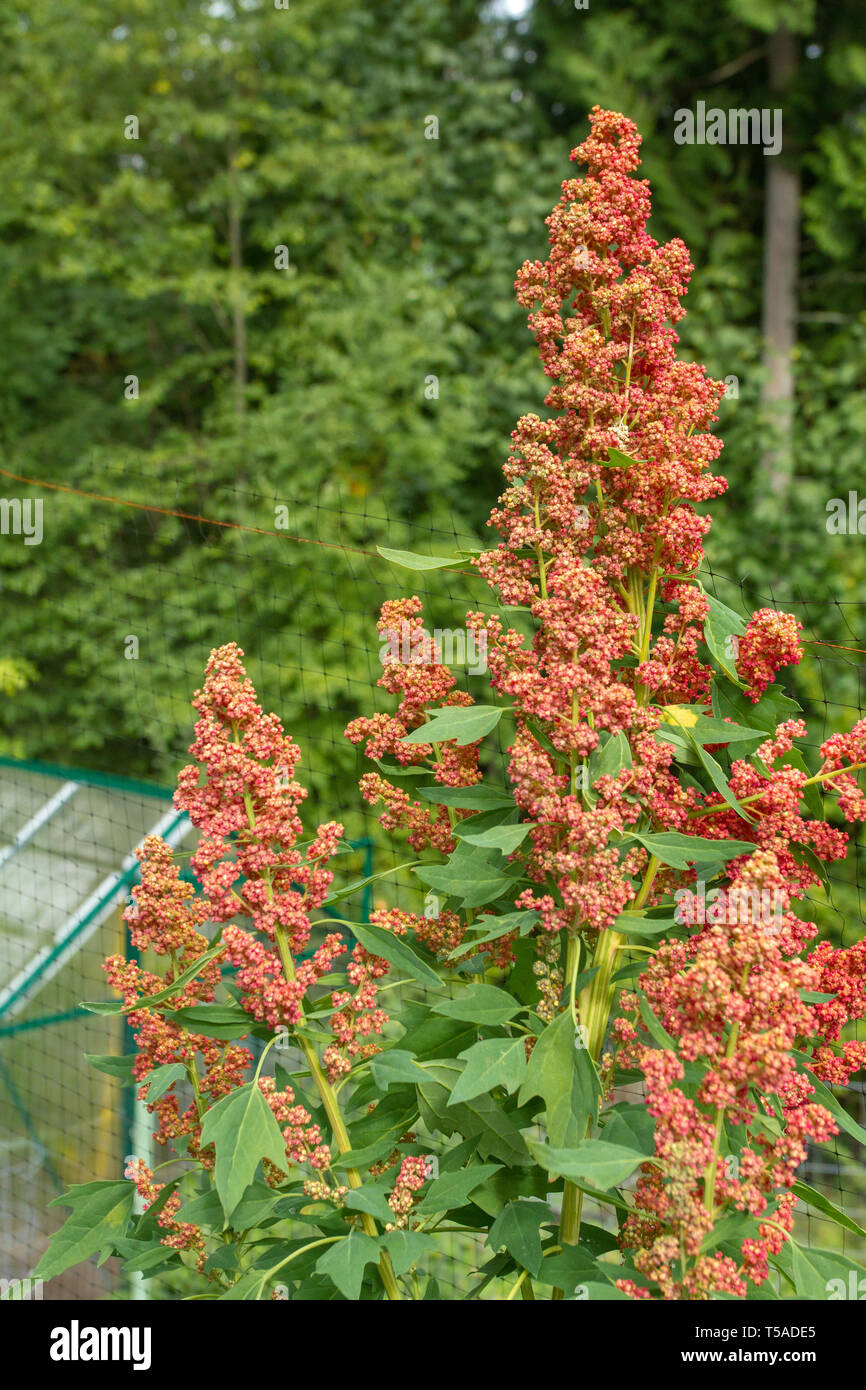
(472, 889)
(632, 1127)
(477, 798)
(409, 560)
(377, 1131)
(517, 1229)
(205, 1210)
(820, 1203)
(428, 1036)
(720, 781)
(381, 942)
(570, 1267)
(100, 1215)
(113, 1066)
(371, 1198)
(394, 1065)
(493, 1062)
(681, 850)
(149, 1001)
(242, 1128)
(464, 724)
(406, 1248)
(804, 854)
(160, 1079)
(480, 1004)
(617, 459)
(565, 1079)
(452, 1190)
(391, 770)
(509, 1185)
(595, 1161)
(153, 1260)
(720, 624)
(654, 1025)
(505, 838)
(344, 1263)
(815, 1272)
(597, 1240)
(773, 708)
(594, 1291)
(609, 758)
(362, 1156)
(360, 883)
(693, 722)
(222, 1021)
(494, 927)
(498, 1137)
(640, 924)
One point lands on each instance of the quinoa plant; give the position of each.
(614, 992)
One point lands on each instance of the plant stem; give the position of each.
(335, 1120)
(756, 796)
(323, 1085)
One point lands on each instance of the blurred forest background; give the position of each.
(257, 260)
(306, 126)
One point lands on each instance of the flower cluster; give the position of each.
(414, 1172)
(251, 866)
(303, 1138)
(247, 809)
(164, 918)
(357, 1014)
(771, 641)
(729, 998)
(413, 670)
(180, 1235)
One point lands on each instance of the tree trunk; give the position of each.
(781, 256)
(239, 323)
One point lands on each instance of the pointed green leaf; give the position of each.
(100, 1214)
(494, 928)
(505, 838)
(479, 797)
(464, 724)
(242, 1128)
(409, 560)
(406, 1248)
(820, 1203)
(681, 850)
(595, 1160)
(471, 888)
(393, 1066)
(344, 1263)
(381, 942)
(493, 1062)
(720, 625)
(480, 1004)
(454, 1189)
(113, 1066)
(565, 1079)
(617, 459)
(517, 1229)
(160, 1079)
